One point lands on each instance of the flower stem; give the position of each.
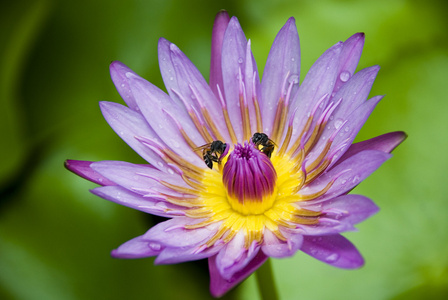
(265, 281)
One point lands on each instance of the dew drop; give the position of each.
(344, 76)
(171, 78)
(170, 171)
(160, 164)
(338, 123)
(356, 179)
(161, 204)
(160, 126)
(240, 60)
(293, 59)
(155, 246)
(332, 258)
(346, 129)
(294, 79)
(123, 85)
(344, 181)
(174, 144)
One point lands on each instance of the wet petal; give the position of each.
(351, 52)
(141, 179)
(282, 66)
(334, 250)
(82, 168)
(273, 247)
(219, 28)
(233, 62)
(136, 248)
(349, 174)
(129, 124)
(219, 286)
(118, 72)
(152, 205)
(386, 143)
(318, 83)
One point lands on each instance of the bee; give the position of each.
(213, 152)
(263, 140)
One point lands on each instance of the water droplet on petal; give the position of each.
(170, 171)
(344, 181)
(294, 79)
(344, 76)
(155, 246)
(123, 85)
(338, 123)
(171, 78)
(346, 129)
(356, 179)
(240, 60)
(293, 59)
(332, 258)
(174, 143)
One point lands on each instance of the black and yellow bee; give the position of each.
(212, 152)
(263, 140)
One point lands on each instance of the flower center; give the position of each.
(250, 180)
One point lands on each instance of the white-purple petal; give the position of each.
(141, 179)
(173, 234)
(162, 113)
(273, 247)
(349, 173)
(129, 124)
(233, 62)
(219, 28)
(219, 286)
(152, 205)
(118, 72)
(282, 65)
(234, 257)
(386, 143)
(82, 168)
(136, 248)
(334, 250)
(350, 55)
(317, 85)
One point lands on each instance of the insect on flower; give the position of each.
(213, 152)
(264, 199)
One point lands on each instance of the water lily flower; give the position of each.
(244, 170)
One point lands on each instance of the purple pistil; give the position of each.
(249, 174)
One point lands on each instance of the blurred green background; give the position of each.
(55, 237)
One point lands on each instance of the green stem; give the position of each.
(265, 281)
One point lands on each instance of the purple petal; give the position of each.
(273, 247)
(118, 72)
(233, 63)
(128, 124)
(353, 109)
(283, 61)
(82, 168)
(349, 130)
(219, 286)
(334, 250)
(136, 248)
(162, 115)
(349, 174)
(234, 257)
(318, 83)
(386, 143)
(219, 28)
(339, 214)
(351, 52)
(185, 83)
(172, 233)
(141, 179)
(152, 205)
